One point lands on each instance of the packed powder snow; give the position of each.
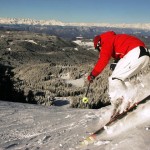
(25, 126)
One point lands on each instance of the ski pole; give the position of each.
(85, 99)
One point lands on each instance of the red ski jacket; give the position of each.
(116, 46)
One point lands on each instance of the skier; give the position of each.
(131, 55)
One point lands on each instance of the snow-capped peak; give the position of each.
(27, 21)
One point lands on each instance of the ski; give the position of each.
(91, 138)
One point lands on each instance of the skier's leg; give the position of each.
(130, 65)
(127, 67)
(117, 90)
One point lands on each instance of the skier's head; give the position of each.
(97, 42)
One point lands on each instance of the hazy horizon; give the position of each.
(78, 11)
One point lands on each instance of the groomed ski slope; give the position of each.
(26, 126)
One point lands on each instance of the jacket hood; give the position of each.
(107, 35)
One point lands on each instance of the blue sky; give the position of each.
(100, 11)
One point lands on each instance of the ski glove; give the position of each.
(91, 78)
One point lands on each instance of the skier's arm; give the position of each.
(103, 60)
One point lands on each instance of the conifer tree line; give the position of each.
(38, 68)
(49, 84)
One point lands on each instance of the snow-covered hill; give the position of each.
(26, 126)
(145, 26)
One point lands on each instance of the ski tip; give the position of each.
(88, 140)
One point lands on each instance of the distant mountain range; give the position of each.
(143, 26)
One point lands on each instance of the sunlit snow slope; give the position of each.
(26, 126)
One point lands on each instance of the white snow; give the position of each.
(2, 36)
(65, 76)
(101, 143)
(9, 49)
(31, 41)
(56, 22)
(133, 119)
(76, 49)
(26, 126)
(85, 44)
(78, 82)
(75, 82)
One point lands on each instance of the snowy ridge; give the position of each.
(144, 26)
(29, 21)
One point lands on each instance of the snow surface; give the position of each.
(25, 126)
(32, 127)
(31, 41)
(78, 82)
(86, 44)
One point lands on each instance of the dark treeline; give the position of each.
(37, 68)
